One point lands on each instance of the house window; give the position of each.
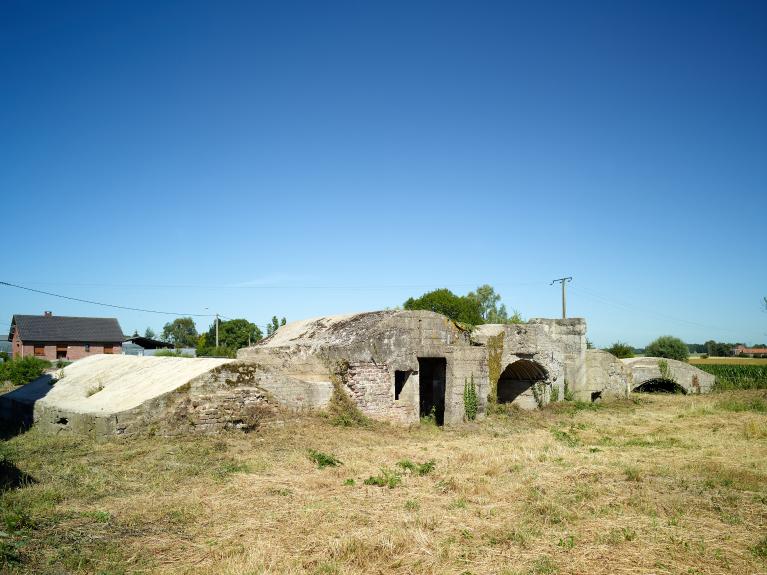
(40, 350)
(108, 349)
(87, 347)
(61, 352)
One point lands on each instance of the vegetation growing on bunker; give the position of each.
(494, 353)
(342, 409)
(470, 403)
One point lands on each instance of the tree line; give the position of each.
(233, 334)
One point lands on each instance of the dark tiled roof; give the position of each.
(59, 328)
(148, 343)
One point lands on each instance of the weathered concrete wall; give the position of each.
(606, 377)
(365, 350)
(558, 346)
(689, 377)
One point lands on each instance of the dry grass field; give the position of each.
(728, 361)
(657, 484)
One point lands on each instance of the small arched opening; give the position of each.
(659, 385)
(515, 385)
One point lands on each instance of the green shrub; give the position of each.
(669, 347)
(23, 370)
(323, 459)
(418, 468)
(387, 478)
(621, 350)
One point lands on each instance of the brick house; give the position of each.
(60, 337)
(752, 351)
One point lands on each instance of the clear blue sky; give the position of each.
(304, 159)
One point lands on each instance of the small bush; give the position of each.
(669, 347)
(323, 459)
(417, 468)
(387, 478)
(23, 370)
(621, 350)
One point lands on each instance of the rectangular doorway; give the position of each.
(432, 375)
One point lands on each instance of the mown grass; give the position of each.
(657, 484)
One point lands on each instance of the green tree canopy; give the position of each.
(621, 350)
(149, 332)
(274, 325)
(491, 308)
(233, 334)
(669, 347)
(458, 308)
(181, 332)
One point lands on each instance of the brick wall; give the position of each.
(74, 351)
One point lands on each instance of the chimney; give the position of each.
(48, 314)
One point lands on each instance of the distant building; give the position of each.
(61, 337)
(752, 351)
(138, 345)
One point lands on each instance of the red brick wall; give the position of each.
(74, 351)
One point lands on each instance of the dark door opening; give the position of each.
(432, 374)
(517, 379)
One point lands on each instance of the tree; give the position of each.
(621, 350)
(669, 347)
(149, 333)
(181, 332)
(233, 334)
(458, 308)
(491, 312)
(274, 325)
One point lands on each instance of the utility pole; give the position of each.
(563, 281)
(216, 330)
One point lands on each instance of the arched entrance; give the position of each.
(659, 385)
(516, 383)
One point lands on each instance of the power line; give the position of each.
(282, 286)
(105, 304)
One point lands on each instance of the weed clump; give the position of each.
(387, 478)
(323, 459)
(417, 468)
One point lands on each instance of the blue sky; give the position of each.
(304, 159)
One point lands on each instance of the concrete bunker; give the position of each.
(662, 375)
(515, 385)
(395, 365)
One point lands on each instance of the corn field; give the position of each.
(737, 376)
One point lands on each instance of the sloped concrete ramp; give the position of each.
(90, 393)
(649, 369)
